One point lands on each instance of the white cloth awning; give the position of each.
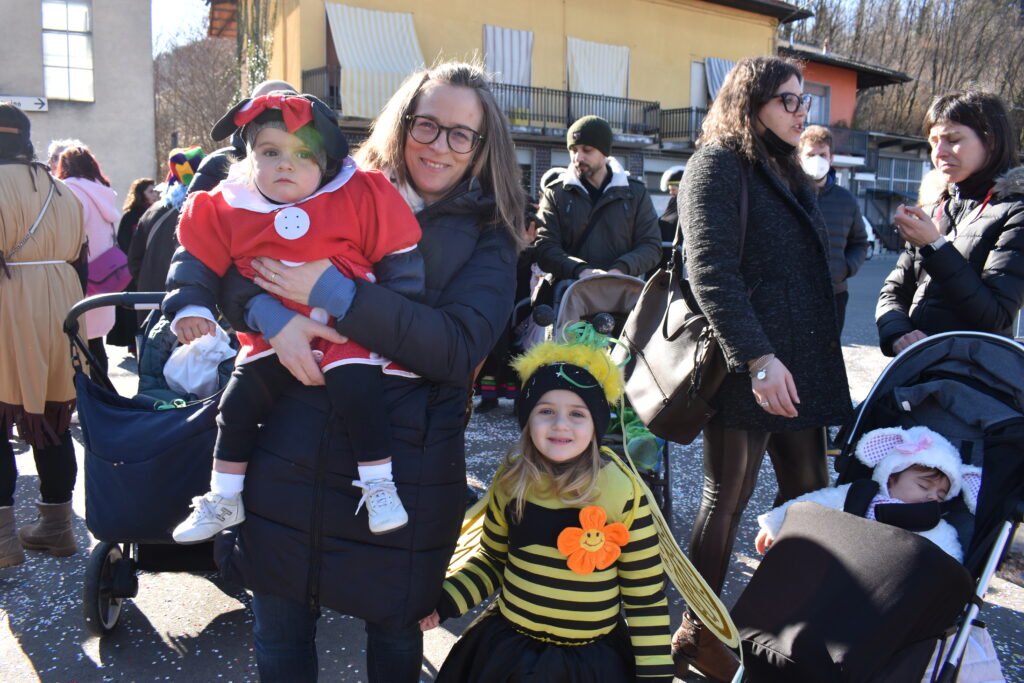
(508, 55)
(597, 68)
(377, 51)
(716, 69)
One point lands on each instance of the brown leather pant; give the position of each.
(732, 459)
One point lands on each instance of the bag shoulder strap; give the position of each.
(744, 204)
(591, 224)
(860, 495)
(744, 216)
(39, 219)
(156, 226)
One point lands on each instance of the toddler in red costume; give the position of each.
(296, 197)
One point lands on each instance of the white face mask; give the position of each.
(817, 166)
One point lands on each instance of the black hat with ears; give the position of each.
(294, 110)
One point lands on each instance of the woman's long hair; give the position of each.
(527, 470)
(732, 119)
(494, 160)
(986, 115)
(78, 162)
(136, 198)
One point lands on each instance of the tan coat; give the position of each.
(36, 388)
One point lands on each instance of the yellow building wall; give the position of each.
(663, 36)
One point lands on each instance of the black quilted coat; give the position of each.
(300, 539)
(776, 299)
(973, 282)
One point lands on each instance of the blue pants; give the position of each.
(285, 634)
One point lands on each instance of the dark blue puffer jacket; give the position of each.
(301, 539)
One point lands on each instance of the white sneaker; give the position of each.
(211, 514)
(383, 506)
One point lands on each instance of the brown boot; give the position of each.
(694, 645)
(10, 550)
(52, 531)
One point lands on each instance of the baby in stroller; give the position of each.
(915, 465)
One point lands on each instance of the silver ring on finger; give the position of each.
(764, 404)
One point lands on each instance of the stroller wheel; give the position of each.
(100, 607)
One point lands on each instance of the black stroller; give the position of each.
(841, 598)
(143, 465)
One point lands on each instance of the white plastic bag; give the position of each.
(192, 368)
(980, 662)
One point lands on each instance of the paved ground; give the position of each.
(186, 627)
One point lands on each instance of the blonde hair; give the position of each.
(494, 160)
(526, 470)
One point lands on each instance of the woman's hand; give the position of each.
(907, 339)
(776, 393)
(763, 542)
(293, 350)
(192, 327)
(430, 621)
(294, 283)
(915, 225)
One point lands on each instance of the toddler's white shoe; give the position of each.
(383, 506)
(211, 514)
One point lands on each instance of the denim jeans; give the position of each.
(285, 634)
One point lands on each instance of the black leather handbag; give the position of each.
(675, 366)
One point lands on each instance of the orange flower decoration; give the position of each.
(595, 546)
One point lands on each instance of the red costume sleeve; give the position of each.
(202, 234)
(388, 225)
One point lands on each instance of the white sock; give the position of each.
(371, 472)
(227, 485)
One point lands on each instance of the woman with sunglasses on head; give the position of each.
(444, 143)
(964, 265)
(763, 281)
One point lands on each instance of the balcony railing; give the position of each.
(850, 142)
(547, 108)
(324, 83)
(682, 124)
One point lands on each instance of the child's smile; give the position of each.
(561, 426)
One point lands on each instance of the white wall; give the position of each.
(118, 126)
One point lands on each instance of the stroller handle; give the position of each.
(133, 300)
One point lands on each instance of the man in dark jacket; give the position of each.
(847, 238)
(594, 218)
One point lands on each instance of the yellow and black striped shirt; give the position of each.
(543, 598)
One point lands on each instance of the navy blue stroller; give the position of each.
(841, 598)
(143, 465)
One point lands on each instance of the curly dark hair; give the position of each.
(78, 162)
(731, 120)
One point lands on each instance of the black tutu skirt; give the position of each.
(491, 650)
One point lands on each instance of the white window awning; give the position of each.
(716, 70)
(377, 51)
(508, 54)
(597, 68)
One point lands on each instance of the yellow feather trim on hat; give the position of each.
(595, 361)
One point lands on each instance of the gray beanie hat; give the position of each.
(592, 131)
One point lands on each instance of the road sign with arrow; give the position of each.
(27, 103)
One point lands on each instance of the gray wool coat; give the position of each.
(790, 309)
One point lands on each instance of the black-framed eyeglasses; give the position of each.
(792, 102)
(461, 139)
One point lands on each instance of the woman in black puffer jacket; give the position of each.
(446, 144)
(964, 269)
(773, 311)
